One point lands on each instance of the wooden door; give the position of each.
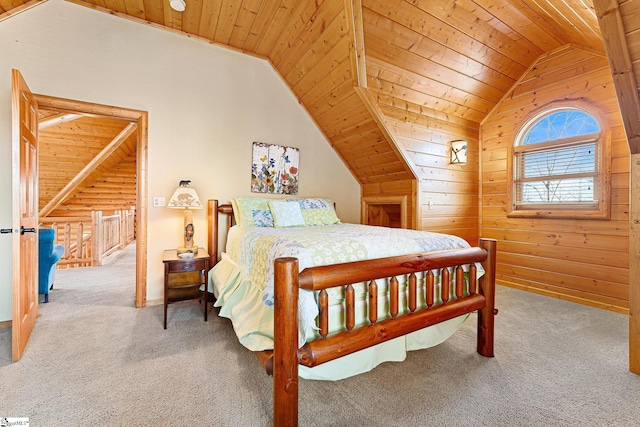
(25, 213)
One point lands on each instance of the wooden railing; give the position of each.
(91, 240)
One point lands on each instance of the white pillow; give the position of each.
(286, 214)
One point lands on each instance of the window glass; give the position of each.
(560, 124)
(557, 164)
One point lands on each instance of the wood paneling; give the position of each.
(436, 68)
(580, 260)
(69, 147)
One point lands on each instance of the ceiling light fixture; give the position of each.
(177, 5)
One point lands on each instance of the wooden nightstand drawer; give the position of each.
(188, 265)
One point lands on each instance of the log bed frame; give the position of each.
(283, 361)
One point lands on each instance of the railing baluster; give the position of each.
(393, 291)
(413, 291)
(473, 279)
(373, 302)
(459, 282)
(67, 240)
(430, 283)
(350, 301)
(323, 303)
(445, 283)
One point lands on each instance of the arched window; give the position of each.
(560, 166)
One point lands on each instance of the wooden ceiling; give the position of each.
(408, 60)
(76, 152)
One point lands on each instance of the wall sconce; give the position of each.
(458, 152)
(186, 198)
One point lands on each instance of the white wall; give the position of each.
(206, 106)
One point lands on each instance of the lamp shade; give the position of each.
(185, 197)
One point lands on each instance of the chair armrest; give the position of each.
(58, 252)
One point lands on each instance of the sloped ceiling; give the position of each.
(450, 60)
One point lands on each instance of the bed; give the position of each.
(310, 310)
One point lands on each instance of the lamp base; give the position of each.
(192, 249)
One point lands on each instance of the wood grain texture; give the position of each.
(572, 258)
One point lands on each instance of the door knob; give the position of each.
(27, 230)
(6, 230)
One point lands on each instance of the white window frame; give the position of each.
(599, 208)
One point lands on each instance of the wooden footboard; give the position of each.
(479, 295)
(468, 295)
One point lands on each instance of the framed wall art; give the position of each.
(274, 169)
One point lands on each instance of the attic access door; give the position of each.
(140, 119)
(387, 211)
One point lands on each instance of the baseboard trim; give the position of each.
(5, 324)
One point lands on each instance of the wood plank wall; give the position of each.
(318, 69)
(114, 190)
(585, 261)
(448, 194)
(68, 148)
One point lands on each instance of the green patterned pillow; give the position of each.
(252, 212)
(286, 214)
(317, 211)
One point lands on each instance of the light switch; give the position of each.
(158, 202)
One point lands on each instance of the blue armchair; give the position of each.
(48, 256)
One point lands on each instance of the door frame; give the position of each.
(139, 117)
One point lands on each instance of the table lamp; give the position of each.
(186, 198)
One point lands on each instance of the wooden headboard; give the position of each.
(214, 210)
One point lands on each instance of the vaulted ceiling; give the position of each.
(353, 63)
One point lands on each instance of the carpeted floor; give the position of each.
(95, 360)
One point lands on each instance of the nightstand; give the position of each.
(183, 278)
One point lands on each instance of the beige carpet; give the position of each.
(95, 360)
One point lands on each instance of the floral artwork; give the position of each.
(274, 169)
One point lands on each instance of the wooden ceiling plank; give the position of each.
(226, 21)
(296, 66)
(450, 112)
(246, 17)
(412, 41)
(624, 79)
(283, 15)
(573, 17)
(342, 94)
(154, 10)
(306, 25)
(117, 6)
(135, 8)
(400, 77)
(262, 23)
(10, 8)
(418, 125)
(334, 59)
(191, 17)
(432, 21)
(209, 18)
(630, 11)
(378, 116)
(386, 52)
(525, 22)
(72, 185)
(325, 83)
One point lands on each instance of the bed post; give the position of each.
(285, 347)
(488, 289)
(212, 236)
